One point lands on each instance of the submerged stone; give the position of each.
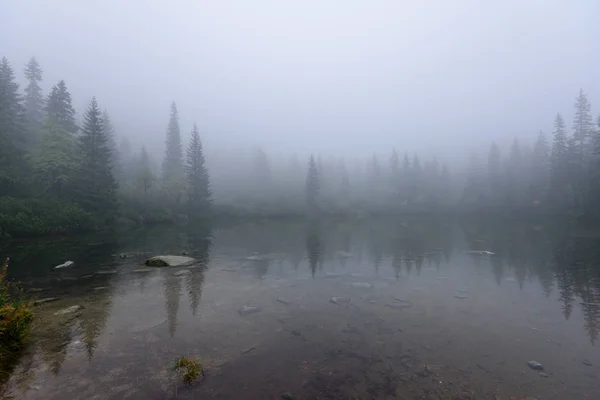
(400, 303)
(343, 254)
(362, 285)
(481, 252)
(46, 300)
(140, 270)
(108, 272)
(169, 261)
(68, 310)
(340, 300)
(535, 365)
(245, 310)
(182, 272)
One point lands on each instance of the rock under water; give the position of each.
(169, 261)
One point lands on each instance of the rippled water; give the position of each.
(372, 309)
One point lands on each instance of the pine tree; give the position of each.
(144, 178)
(312, 184)
(126, 159)
(54, 160)
(394, 164)
(12, 144)
(115, 159)
(96, 189)
(59, 108)
(514, 175)
(558, 160)
(172, 168)
(262, 170)
(34, 101)
(582, 125)
(494, 165)
(197, 177)
(540, 168)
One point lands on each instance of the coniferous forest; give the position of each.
(64, 171)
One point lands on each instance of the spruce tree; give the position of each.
(514, 178)
(54, 160)
(582, 125)
(59, 108)
(559, 164)
(12, 143)
(494, 165)
(144, 178)
(540, 167)
(34, 101)
(109, 132)
(172, 168)
(198, 185)
(558, 159)
(312, 184)
(96, 189)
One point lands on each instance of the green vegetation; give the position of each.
(58, 176)
(188, 369)
(15, 320)
(39, 217)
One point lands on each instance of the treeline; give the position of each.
(58, 176)
(556, 176)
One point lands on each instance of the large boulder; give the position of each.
(169, 261)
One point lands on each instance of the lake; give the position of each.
(330, 309)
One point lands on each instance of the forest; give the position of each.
(62, 172)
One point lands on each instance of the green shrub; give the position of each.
(38, 217)
(15, 320)
(190, 369)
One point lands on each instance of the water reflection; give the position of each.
(314, 247)
(542, 261)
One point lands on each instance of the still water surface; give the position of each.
(337, 309)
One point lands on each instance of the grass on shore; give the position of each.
(15, 321)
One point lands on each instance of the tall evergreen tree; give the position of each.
(144, 178)
(34, 101)
(540, 168)
(197, 177)
(12, 143)
(494, 167)
(96, 189)
(109, 132)
(312, 184)
(582, 125)
(54, 160)
(172, 168)
(59, 108)
(558, 160)
(514, 178)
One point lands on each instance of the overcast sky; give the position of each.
(317, 75)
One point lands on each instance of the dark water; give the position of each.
(371, 309)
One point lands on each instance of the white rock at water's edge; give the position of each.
(65, 264)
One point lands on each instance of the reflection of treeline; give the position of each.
(554, 255)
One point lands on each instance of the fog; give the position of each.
(342, 78)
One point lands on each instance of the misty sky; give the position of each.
(317, 75)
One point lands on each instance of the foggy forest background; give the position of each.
(64, 170)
